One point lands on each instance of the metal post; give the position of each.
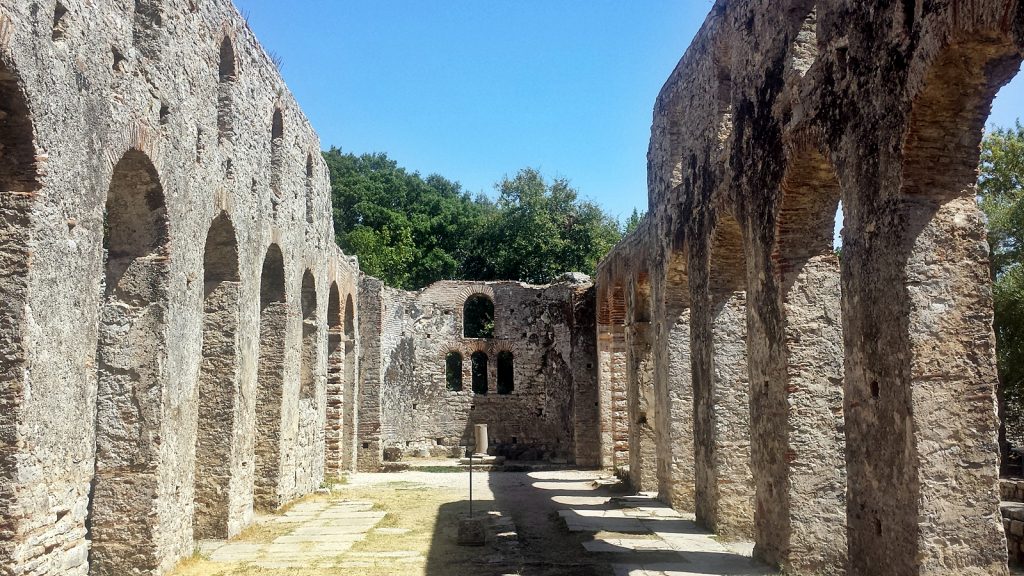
(471, 484)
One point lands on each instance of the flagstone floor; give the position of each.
(542, 523)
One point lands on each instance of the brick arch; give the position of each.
(724, 484)
(934, 285)
(728, 262)
(137, 136)
(797, 369)
(471, 290)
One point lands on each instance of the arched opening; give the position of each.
(478, 368)
(932, 361)
(277, 152)
(724, 486)
(335, 433)
(453, 372)
(218, 383)
(796, 368)
(350, 384)
(227, 75)
(506, 373)
(18, 184)
(640, 406)
(131, 356)
(673, 383)
(270, 380)
(307, 370)
(478, 317)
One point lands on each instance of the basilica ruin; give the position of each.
(182, 343)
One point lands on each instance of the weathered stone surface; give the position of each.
(409, 404)
(867, 384)
(128, 376)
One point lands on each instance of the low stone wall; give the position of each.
(1011, 491)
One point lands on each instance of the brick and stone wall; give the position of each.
(838, 410)
(157, 180)
(546, 330)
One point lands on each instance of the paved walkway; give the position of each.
(315, 535)
(552, 523)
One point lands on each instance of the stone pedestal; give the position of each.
(480, 435)
(473, 531)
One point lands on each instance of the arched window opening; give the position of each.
(478, 362)
(309, 188)
(478, 317)
(506, 373)
(130, 357)
(453, 372)
(307, 371)
(227, 75)
(350, 325)
(218, 381)
(270, 380)
(277, 152)
(334, 437)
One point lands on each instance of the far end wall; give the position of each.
(412, 403)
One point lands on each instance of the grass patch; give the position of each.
(440, 469)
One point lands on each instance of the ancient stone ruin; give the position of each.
(181, 342)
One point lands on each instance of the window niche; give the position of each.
(478, 317)
(453, 372)
(479, 369)
(506, 373)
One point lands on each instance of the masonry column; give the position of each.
(643, 458)
(724, 485)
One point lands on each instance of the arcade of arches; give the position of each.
(183, 345)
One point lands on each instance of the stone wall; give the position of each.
(409, 404)
(841, 411)
(161, 198)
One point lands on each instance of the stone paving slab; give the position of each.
(323, 532)
(625, 545)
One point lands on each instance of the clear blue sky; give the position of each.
(474, 90)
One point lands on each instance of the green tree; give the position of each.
(412, 231)
(1000, 194)
(1000, 190)
(633, 222)
(407, 230)
(542, 230)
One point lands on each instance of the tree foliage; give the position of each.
(1000, 192)
(633, 222)
(412, 231)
